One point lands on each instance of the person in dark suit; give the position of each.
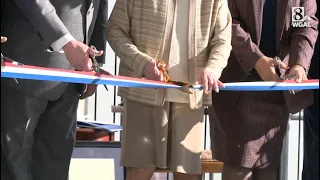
(247, 128)
(311, 126)
(4, 165)
(38, 118)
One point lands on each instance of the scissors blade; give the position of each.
(104, 72)
(289, 77)
(99, 70)
(185, 87)
(96, 67)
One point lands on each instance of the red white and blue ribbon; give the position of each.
(10, 70)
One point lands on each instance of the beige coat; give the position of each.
(140, 31)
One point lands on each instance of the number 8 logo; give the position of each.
(298, 14)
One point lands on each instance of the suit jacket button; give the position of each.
(88, 12)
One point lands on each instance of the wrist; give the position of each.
(146, 66)
(61, 42)
(68, 45)
(263, 58)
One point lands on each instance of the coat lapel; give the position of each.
(282, 10)
(257, 13)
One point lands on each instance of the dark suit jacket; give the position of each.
(247, 128)
(32, 26)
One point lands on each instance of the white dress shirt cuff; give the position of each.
(58, 44)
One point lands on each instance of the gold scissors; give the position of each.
(185, 86)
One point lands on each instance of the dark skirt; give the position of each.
(249, 132)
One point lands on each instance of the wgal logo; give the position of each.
(299, 19)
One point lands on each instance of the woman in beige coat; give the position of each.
(163, 127)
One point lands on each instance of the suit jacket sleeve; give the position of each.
(246, 51)
(303, 39)
(43, 17)
(118, 36)
(221, 42)
(98, 37)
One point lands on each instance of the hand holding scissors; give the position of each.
(91, 88)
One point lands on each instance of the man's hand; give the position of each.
(299, 72)
(266, 68)
(3, 39)
(79, 55)
(208, 80)
(89, 91)
(152, 72)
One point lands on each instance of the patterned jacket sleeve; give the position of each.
(245, 50)
(303, 39)
(221, 41)
(118, 36)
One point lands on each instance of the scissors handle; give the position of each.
(286, 76)
(93, 57)
(185, 86)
